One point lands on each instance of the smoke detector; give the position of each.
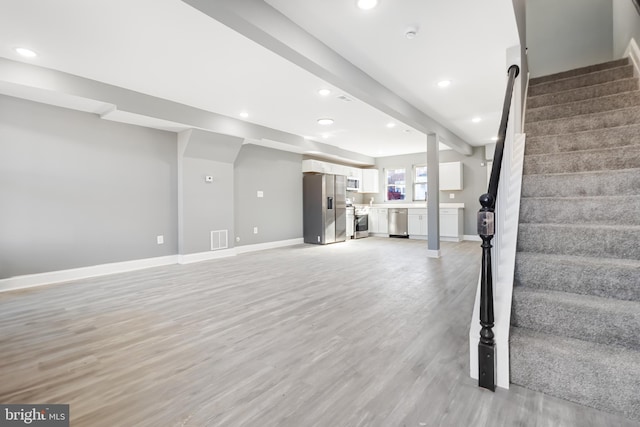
(411, 32)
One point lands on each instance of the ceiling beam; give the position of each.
(258, 21)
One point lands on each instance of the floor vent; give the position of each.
(219, 240)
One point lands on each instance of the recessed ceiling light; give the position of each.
(244, 114)
(367, 4)
(444, 83)
(27, 53)
(391, 125)
(495, 138)
(324, 92)
(476, 120)
(325, 122)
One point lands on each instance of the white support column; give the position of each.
(433, 196)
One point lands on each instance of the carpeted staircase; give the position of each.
(575, 328)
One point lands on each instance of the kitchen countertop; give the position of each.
(410, 205)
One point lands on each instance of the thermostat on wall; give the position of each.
(208, 178)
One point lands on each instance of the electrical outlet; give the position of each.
(260, 193)
(160, 240)
(255, 230)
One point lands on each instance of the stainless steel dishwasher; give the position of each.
(398, 222)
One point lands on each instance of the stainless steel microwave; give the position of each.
(353, 184)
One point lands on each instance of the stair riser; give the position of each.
(583, 161)
(580, 71)
(605, 242)
(604, 210)
(624, 182)
(563, 317)
(607, 381)
(590, 106)
(628, 116)
(580, 94)
(600, 138)
(557, 274)
(599, 77)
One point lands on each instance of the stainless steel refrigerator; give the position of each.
(325, 208)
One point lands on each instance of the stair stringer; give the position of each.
(503, 256)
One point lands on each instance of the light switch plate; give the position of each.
(452, 196)
(260, 193)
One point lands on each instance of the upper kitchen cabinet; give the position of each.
(451, 176)
(370, 181)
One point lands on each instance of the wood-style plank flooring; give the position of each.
(364, 333)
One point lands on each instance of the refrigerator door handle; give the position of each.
(329, 202)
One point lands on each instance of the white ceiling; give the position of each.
(167, 49)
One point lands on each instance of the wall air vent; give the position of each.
(219, 240)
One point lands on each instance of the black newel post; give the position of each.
(486, 346)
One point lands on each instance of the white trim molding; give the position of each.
(268, 245)
(48, 278)
(39, 279)
(633, 52)
(206, 256)
(433, 253)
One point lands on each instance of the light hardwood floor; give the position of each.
(365, 333)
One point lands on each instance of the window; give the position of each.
(396, 188)
(420, 183)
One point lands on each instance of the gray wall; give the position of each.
(278, 215)
(567, 34)
(205, 206)
(475, 180)
(79, 191)
(626, 25)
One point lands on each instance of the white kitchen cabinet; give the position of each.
(451, 224)
(417, 223)
(379, 221)
(451, 176)
(370, 181)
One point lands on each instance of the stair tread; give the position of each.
(582, 226)
(584, 122)
(588, 150)
(574, 92)
(594, 302)
(594, 173)
(581, 71)
(590, 115)
(587, 261)
(626, 97)
(600, 376)
(618, 136)
(582, 80)
(611, 198)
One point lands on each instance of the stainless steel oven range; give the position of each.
(361, 224)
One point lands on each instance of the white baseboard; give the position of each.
(39, 279)
(268, 245)
(206, 256)
(472, 237)
(633, 52)
(432, 253)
